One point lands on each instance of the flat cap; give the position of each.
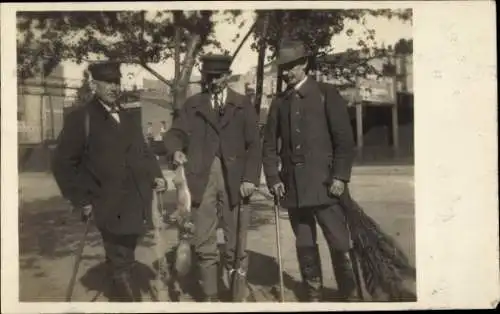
(107, 71)
(216, 64)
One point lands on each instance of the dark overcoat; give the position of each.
(113, 168)
(317, 143)
(198, 132)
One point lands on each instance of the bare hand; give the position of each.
(278, 190)
(246, 189)
(179, 158)
(337, 187)
(160, 185)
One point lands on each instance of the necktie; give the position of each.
(114, 108)
(218, 105)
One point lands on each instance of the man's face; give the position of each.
(294, 72)
(216, 82)
(107, 91)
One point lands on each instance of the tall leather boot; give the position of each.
(344, 275)
(310, 271)
(238, 284)
(209, 281)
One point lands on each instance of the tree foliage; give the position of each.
(130, 36)
(316, 28)
(141, 37)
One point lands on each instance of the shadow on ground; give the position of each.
(48, 230)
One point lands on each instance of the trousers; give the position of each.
(120, 260)
(331, 220)
(215, 205)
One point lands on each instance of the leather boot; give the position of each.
(211, 298)
(238, 285)
(310, 271)
(209, 282)
(344, 275)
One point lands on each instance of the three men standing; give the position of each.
(103, 165)
(216, 135)
(110, 171)
(316, 154)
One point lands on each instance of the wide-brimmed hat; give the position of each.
(215, 64)
(291, 50)
(107, 71)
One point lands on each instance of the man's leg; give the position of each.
(304, 229)
(120, 258)
(333, 224)
(205, 238)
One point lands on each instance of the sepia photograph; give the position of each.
(227, 155)
(216, 156)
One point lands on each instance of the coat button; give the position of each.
(297, 130)
(298, 146)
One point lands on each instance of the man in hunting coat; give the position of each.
(104, 167)
(216, 133)
(317, 147)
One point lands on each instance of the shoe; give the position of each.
(310, 271)
(344, 275)
(238, 285)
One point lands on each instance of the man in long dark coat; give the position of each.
(216, 131)
(316, 154)
(103, 166)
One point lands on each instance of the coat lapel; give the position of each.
(204, 109)
(126, 128)
(104, 114)
(233, 102)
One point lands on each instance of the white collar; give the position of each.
(222, 93)
(299, 84)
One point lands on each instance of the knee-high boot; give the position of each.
(209, 278)
(310, 270)
(344, 275)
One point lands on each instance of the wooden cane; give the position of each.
(278, 247)
(71, 286)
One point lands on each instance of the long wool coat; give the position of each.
(112, 169)
(198, 132)
(317, 143)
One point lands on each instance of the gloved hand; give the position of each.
(160, 185)
(278, 190)
(179, 158)
(246, 189)
(86, 213)
(337, 187)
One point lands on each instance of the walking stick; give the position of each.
(71, 286)
(278, 246)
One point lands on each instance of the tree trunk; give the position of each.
(182, 84)
(260, 66)
(177, 57)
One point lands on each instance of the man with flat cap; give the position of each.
(216, 135)
(316, 154)
(104, 167)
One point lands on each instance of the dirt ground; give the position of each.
(49, 235)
